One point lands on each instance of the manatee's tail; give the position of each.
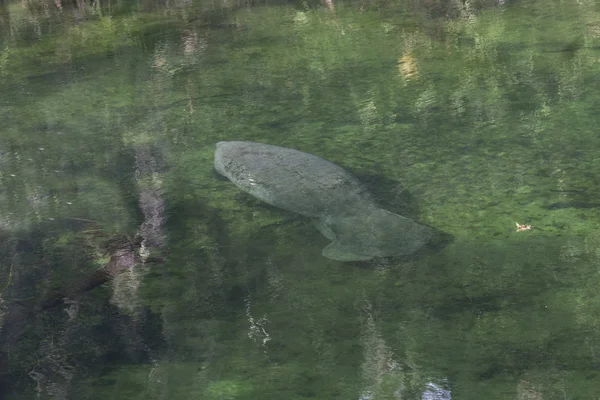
(372, 232)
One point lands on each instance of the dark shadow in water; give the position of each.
(437, 243)
(389, 194)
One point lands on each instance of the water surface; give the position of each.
(470, 119)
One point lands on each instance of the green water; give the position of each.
(469, 117)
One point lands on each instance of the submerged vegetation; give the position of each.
(472, 116)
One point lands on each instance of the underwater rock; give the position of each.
(309, 185)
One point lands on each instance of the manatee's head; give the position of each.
(225, 154)
(245, 165)
(374, 233)
(236, 160)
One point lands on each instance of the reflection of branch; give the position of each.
(122, 258)
(19, 314)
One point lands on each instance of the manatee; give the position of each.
(343, 210)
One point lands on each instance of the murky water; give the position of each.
(478, 119)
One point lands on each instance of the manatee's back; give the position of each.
(290, 179)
